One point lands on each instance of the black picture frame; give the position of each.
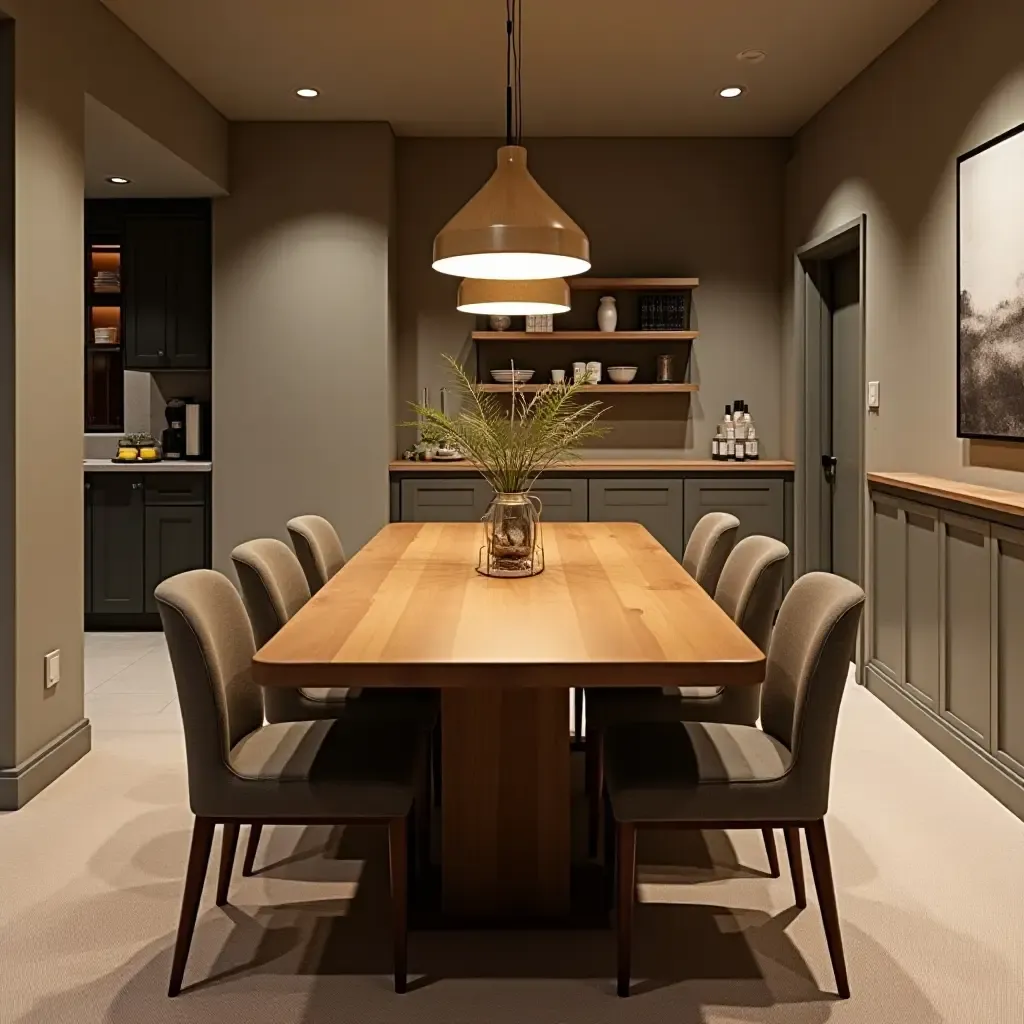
(961, 160)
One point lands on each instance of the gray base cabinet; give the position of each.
(758, 504)
(943, 631)
(654, 503)
(140, 529)
(444, 501)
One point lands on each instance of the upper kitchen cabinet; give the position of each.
(166, 279)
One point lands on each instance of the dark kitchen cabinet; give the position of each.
(166, 281)
(175, 542)
(140, 528)
(116, 541)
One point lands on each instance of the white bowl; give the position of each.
(507, 376)
(621, 374)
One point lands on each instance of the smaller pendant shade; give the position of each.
(513, 298)
(511, 230)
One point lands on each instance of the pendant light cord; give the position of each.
(513, 72)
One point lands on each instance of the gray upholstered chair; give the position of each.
(318, 548)
(716, 775)
(708, 547)
(749, 590)
(242, 771)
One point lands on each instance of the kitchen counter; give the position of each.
(168, 466)
(613, 466)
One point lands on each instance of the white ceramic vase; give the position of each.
(607, 314)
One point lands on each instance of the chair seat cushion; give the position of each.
(340, 766)
(649, 766)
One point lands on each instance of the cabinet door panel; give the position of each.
(117, 538)
(967, 590)
(444, 501)
(189, 294)
(758, 505)
(656, 504)
(88, 546)
(175, 542)
(146, 259)
(888, 586)
(564, 501)
(923, 614)
(1009, 738)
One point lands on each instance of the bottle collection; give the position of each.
(736, 437)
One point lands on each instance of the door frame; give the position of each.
(813, 331)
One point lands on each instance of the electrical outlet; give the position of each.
(51, 663)
(873, 394)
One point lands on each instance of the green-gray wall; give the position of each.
(302, 402)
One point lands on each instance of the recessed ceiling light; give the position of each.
(307, 94)
(751, 56)
(730, 92)
(119, 181)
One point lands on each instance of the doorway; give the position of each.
(830, 472)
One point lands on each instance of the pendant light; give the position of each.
(512, 230)
(513, 298)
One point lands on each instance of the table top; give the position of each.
(612, 608)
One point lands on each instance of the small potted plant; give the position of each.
(511, 447)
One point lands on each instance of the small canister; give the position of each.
(579, 371)
(594, 372)
(665, 365)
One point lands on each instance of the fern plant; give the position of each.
(512, 447)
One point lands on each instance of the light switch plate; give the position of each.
(872, 394)
(52, 666)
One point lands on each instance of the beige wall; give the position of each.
(301, 396)
(887, 147)
(710, 208)
(57, 46)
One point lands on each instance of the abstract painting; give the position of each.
(990, 286)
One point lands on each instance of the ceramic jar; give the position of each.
(607, 314)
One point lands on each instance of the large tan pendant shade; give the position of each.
(513, 298)
(511, 230)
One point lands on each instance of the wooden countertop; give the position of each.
(992, 498)
(612, 608)
(612, 465)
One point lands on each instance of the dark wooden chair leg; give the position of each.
(577, 701)
(228, 846)
(770, 849)
(250, 849)
(796, 866)
(821, 869)
(195, 875)
(595, 790)
(626, 872)
(397, 849)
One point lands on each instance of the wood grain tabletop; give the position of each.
(612, 608)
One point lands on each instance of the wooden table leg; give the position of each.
(505, 803)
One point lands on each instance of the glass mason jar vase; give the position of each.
(512, 538)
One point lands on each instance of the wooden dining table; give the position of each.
(612, 608)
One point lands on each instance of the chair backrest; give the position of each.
(708, 548)
(273, 584)
(809, 658)
(211, 647)
(750, 586)
(318, 548)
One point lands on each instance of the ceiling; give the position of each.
(591, 67)
(114, 146)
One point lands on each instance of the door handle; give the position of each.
(829, 464)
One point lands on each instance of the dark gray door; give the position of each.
(118, 523)
(841, 412)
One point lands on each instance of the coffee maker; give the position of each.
(184, 437)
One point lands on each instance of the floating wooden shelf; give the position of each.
(623, 284)
(634, 389)
(585, 335)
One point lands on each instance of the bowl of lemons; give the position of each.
(137, 448)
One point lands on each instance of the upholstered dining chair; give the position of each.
(749, 590)
(274, 589)
(716, 775)
(294, 773)
(318, 548)
(708, 547)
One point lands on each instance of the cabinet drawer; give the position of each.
(444, 501)
(758, 505)
(655, 504)
(175, 488)
(564, 501)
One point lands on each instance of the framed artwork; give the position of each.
(990, 289)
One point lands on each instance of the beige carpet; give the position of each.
(930, 873)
